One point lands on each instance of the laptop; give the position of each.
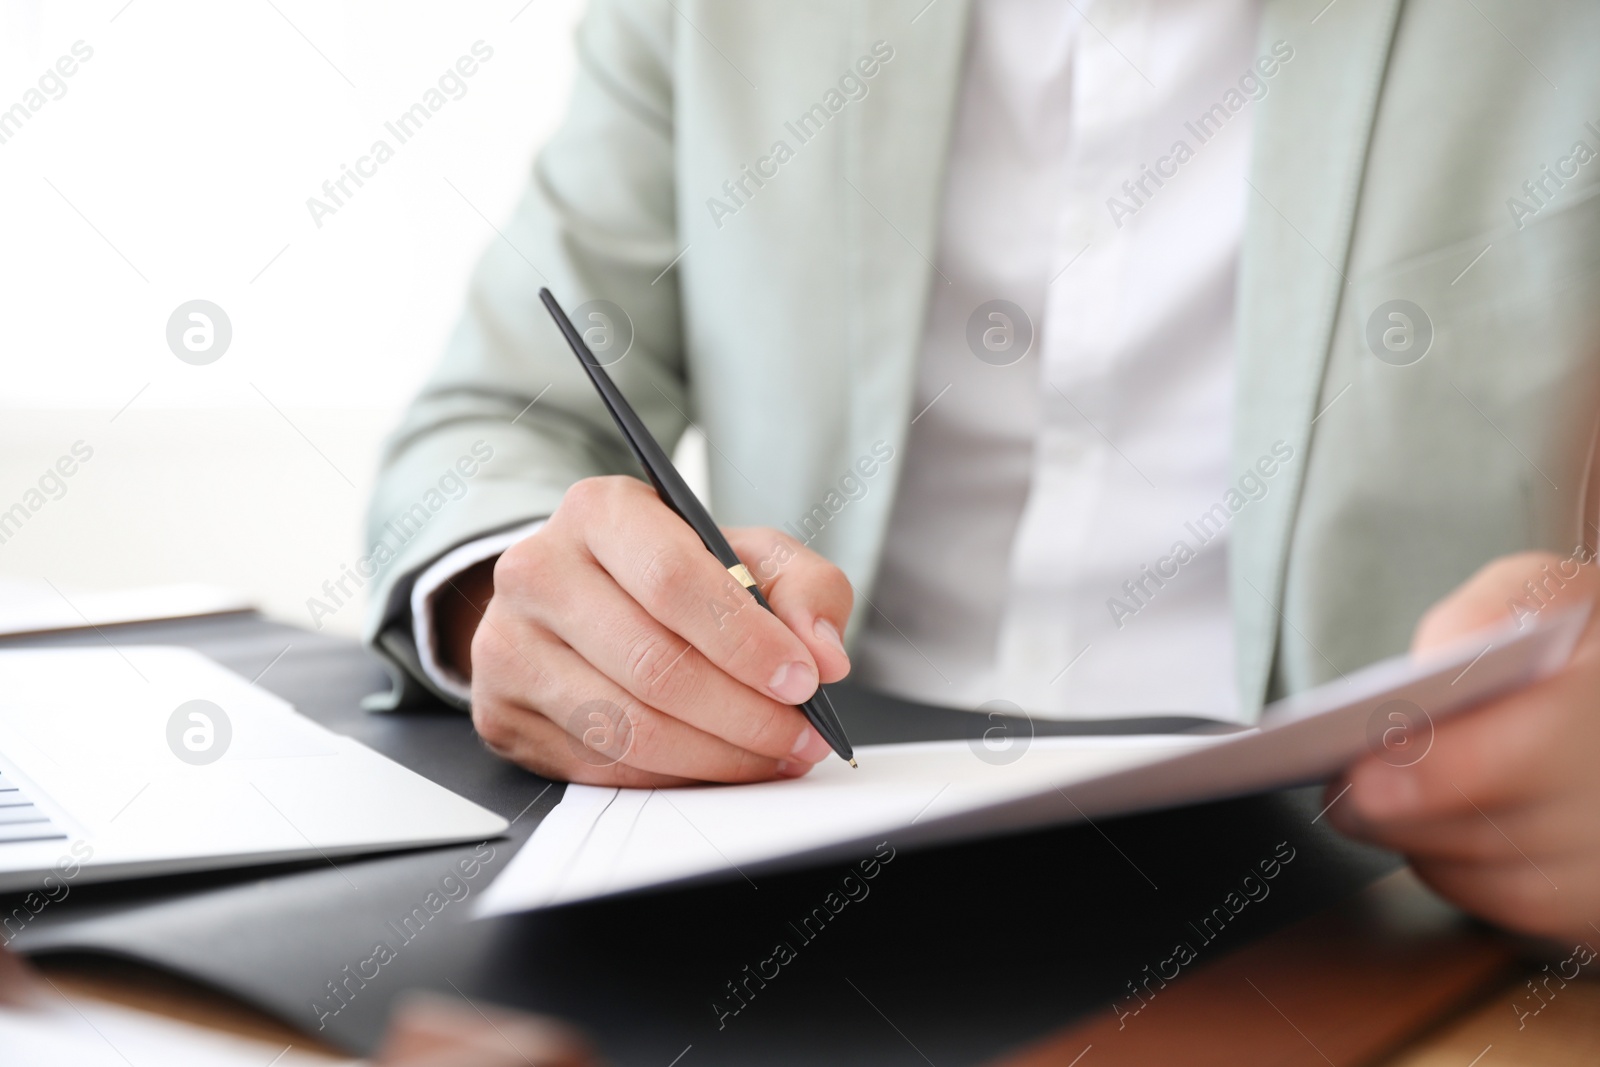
(125, 762)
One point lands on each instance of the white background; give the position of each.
(177, 166)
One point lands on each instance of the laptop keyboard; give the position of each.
(20, 818)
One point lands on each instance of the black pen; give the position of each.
(677, 495)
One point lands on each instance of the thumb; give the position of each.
(1500, 592)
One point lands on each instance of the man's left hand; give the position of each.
(1502, 815)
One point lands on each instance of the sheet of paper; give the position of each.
(600, 840)
(91, 1033)
(29, 606)
(603, 841)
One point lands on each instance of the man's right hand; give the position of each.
(615, 650)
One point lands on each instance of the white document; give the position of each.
(603, 841)
(599, 841)
(28, 606)
(92, 1033)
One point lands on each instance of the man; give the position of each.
(1101, 358)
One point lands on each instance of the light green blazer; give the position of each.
(1389, 163)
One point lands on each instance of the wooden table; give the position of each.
(1392, 978)
(144, 988)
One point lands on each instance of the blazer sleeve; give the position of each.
(507, 421)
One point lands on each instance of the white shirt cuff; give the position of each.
(433, 580)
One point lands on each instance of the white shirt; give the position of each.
(1032, 491)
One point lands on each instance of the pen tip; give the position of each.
(853, 763)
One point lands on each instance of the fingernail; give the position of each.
(828, 635)
(1387, 793)
(794, 682)
(809, 747)
(792, 770)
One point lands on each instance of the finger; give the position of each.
(1537, 832)
(514, 730)
(810, 594)
(657, 559)
(1506, 753)
(1517, 895)
(531, 741)
(606, 627)
(1488, 597)
(1510, 751)
(608, 725)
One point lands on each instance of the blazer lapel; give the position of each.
(1311, 138)
(891, 196)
